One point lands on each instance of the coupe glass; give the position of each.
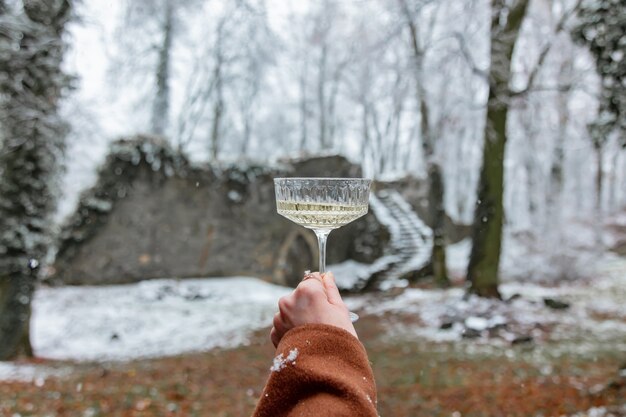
(322, 204)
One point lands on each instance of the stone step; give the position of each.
(409, 241)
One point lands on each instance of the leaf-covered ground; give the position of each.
(415, 378)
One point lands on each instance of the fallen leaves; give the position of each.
(413, 379)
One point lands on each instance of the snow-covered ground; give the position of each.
(10, 371)
(596, 313)
(151, 318)
(148, 319)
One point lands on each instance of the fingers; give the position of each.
(279, 329)
(308, 303)
(274, 337)
(285, 306)
(312, 275)
(279, 325)
(330, 286)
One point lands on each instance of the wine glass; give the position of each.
(322, 205)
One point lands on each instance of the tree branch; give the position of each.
(532, 77)
(468, 56)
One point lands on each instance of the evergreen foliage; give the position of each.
(601, 28)
(32, 140)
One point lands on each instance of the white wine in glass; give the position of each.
(320, 215)
(322, 205)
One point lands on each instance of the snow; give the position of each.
(149, 319)
(600, 412)
(410, 239)
(477, 323)
(457, 256)
(234, 196)
(10, 371)
(597, 312)
(280, 362)
(420, 237)
(169, 317)
(349, 273)
(525, 258)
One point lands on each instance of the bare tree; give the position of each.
(320, 39)
(322, 58)
(556, 180)
(222, 91)
(433, 168)
(161, 105)
(303, 107)
(218, 103)
(506, 21)
(159, 22)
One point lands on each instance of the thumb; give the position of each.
(330, 286)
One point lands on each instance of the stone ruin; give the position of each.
(153, 214)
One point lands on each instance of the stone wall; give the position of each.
(152, 214)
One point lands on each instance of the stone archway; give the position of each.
(297, 253)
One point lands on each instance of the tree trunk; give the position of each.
(378, 157)
(489, 212)
(484, 260)
(303, 107)
(438, 215)
(215, 129)
(31, 83)
(599, 177)
(160, 108)
(393, 153)
(321, 97)
(555, 189)
(16, 292)
(435, 201)
(436, 184)
(365, 132)
(332, 102)
(614, 182)
(218, 105)
(556, 174)
(599, 180)
(531, 170)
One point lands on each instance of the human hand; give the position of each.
(316, 300)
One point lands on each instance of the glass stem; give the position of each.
(322, 235)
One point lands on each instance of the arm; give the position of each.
(319, 370)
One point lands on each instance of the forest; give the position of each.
(142, 258)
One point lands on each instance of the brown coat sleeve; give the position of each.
(319, 370)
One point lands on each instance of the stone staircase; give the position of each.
(409, 246)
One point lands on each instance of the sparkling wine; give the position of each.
(320, 215)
